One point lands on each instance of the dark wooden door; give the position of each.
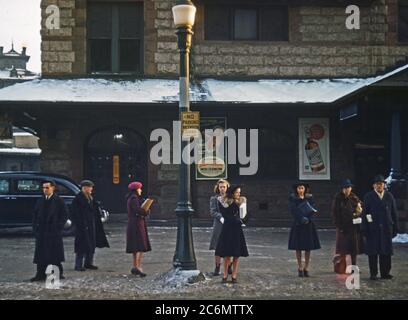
(368, 162)
(114, 158)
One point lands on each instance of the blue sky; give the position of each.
(20, 20)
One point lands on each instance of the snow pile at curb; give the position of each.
(401, 238)
(178, 277)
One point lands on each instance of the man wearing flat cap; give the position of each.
(379, 226)
(89, 233)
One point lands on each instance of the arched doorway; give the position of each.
(113, 158)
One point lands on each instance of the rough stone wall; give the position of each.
(319, 46)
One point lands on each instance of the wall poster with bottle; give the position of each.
(314, 149)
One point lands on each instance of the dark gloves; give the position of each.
(305, 220)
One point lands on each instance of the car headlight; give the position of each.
(68, 224)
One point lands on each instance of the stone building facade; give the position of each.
(319, 43)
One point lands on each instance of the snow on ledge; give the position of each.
(14, 150)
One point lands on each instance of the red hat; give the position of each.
(135, 185)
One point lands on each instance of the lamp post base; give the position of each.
(184, 256)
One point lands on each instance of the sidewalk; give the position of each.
(268, 273)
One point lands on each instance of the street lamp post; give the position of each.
(184, 256)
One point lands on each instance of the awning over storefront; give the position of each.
(269, 91)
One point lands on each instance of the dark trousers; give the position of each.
(82, 259)
(41, 268)
(385, 264)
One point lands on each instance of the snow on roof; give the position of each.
(14, 150)
(290, 91)
(91, 90)
(210, 90)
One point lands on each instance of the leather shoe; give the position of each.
(300, 273)
(91, 267)
(135, 271)
(373, 277)
(37, 278)
(80, 269)
(387, 277)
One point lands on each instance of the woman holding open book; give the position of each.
(303, 235)
(231, 243)
(137, 239)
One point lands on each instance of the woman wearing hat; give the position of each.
(137, 239)
(220, 189)
(231, 242)
(303, 235)
(346, 211)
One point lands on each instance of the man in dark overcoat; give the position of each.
(379, 226)
(50, 216)
(89, 232)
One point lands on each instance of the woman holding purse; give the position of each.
(137, 238)
(303, 235)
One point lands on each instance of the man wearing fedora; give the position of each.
(89, 233)
(379, 226)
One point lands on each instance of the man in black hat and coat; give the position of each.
(89, 232)
(49, 218)
(379, 226)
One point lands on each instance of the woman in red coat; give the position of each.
(137, 239)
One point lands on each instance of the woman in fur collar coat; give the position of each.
(231, 242)
(346, 209)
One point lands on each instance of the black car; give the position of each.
(19, 192)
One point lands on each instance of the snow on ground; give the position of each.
(401, 238)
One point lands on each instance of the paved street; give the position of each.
(268, 273)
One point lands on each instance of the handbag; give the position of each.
(339, 264)
(306, 208)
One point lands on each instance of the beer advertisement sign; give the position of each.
(314, 149)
